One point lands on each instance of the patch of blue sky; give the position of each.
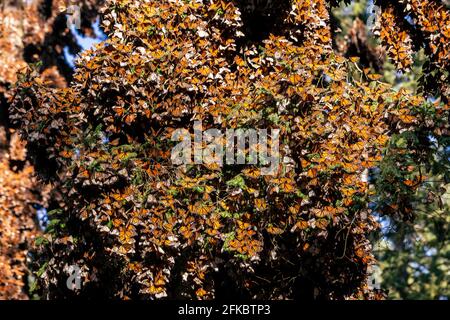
(70, 58)
(42, 217)
(384, 221)
(419, 269)
(432, 99)
(84, 42)
(433, 140)
(104, 138)
(410, 20)
(429, 252)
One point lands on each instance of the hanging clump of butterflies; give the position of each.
(142, 222)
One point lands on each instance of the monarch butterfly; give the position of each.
(324, 35)
(286, 184)
(295, 79)
(255, 246)
(288, 187)
(84, 174)
(168, 226)
(204, 71)
(212, 232)
(106, 200)
(129, 119)
(117, 222)
(224, 205)
(330, 210)
(119, 110)
(200, 208)
(168, 202)
(233, 243)
(358, 146)
(320, 213)
(348, 192)
(243, 225)
(118, 196)
(294, 209)
(125, 234)
(312, 173)
(350, 167)
(321, 223)
(200, 292)
(155, 290)
(381, 140)
(135, 221)
(374, 77)
(122, 250)
(367, 164)
(186, 232)
(260, 204)
(115, 165)
(407, 118)
(159, 280)
(216, 224)
(348, 179)
(252, 173)
(409, 182)
(347, 202)
(362, 132)
(134, 266)
(212, 166)
(301, 224)
(155, 221)
(304, 163)
(248, 233)
(66, 154)
(274, 230)
(239, 61)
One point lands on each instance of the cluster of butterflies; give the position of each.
(431, 22)
(167, 64)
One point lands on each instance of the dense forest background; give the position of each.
(84, 178)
